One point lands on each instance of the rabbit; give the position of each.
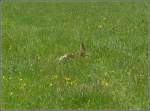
(68, 56)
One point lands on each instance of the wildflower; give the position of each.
(73, 82)
(11, 93)
(141, 75)
(70, 82)
(54, 77)
(100, 26)
(104, 83)
(23, 85)
(20, 79)
(67, 79)
(51, 84)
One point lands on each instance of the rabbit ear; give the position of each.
(82, 46)
(82, 49)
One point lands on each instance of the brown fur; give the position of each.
(82, 49)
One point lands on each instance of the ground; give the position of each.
(113, 76)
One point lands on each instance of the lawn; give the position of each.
(113, 76)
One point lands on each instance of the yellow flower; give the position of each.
(71, 82)
(104, 83)
(51, 84)
(54, 77)
(20, 79)
(11, 93)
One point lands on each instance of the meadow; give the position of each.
(113, 76)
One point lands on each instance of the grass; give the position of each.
(114, 76)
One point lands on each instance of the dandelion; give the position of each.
(51, 84)
(72, 82)
(20, 79)
(11, 93)
(99, 27)
(104, 83)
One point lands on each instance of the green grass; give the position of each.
(114, 76)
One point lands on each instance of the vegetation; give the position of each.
(113, 76)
